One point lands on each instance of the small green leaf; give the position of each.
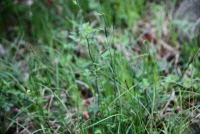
(87, 72)
(7, 109)
(74, 1)
(187, 84)
(171, 78)
(98, 131)
(97, 14)
(145, 82)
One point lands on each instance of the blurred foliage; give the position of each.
(38, 20)
(58, 51)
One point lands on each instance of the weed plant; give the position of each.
(82, 67)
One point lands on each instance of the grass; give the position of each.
(88, 67)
